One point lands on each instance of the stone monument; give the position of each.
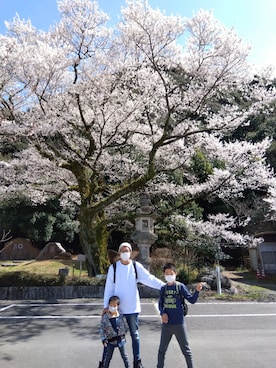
(143, 234)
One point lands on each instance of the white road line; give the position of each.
(61, 317)
(153, 303)
(232, 315)
(143, 303)
(32, 305)
(7, 307)
(218, 315)
(233, 303)
(52, 305)
(64, 317)
(50, 317)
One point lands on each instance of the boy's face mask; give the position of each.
(125, 256)
(170, 278)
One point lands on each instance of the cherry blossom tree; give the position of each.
(108, 112)
(271, 200)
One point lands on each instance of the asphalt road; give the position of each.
(65, 334)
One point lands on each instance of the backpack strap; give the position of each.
(177, 288)
(182, 298)
(135, 269)
(178, 291)
(163, 290)
(114, 271)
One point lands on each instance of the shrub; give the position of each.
(25, 279)
(186, 275)
(21, 278)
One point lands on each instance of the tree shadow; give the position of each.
(24, 322)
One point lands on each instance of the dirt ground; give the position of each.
(250, 278)
(245, 286)
(247, 282)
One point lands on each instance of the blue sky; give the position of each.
(253, 20)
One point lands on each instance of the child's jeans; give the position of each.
(108, 353)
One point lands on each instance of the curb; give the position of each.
(64, 292)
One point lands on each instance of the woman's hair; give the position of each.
(114, 298)
(169, 266)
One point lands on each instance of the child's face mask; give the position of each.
(170, 278)
(112, 309)
(125, 256)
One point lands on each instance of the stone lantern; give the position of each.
(143, 234)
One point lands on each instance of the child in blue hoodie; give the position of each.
(171, 311)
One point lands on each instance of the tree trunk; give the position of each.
(94, 241)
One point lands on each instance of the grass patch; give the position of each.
(45, 273)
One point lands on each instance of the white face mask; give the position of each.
(170, 278)
(125, 256)
(112, 309)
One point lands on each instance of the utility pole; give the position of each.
(218, 268)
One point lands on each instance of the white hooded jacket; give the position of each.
(125, 286)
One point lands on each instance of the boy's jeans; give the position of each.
(167, 331)
(133, 324)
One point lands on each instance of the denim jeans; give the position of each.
(133, 324)
(108, 353)
(167, 331)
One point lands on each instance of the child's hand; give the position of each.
(199, 286)
(105, 342)
(165, 318)
(105, 310)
